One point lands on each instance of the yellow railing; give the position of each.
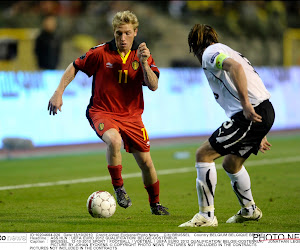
(291, 47)
(25, 59)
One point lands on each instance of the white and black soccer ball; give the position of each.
(101, 204)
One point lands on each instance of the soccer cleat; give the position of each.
(122, 197)
(200, 221)
(239, 218)
(158, 209)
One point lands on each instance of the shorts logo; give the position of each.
(244, 150)
(135, 65)
(101, 126)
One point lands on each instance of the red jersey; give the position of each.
(117, 81)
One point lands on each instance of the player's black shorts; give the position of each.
(240, 136)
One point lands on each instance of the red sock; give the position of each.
(153, 192)
(115, 174)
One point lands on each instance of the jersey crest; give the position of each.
(135, 65)
(101, 126)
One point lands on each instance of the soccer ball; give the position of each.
(101, 204)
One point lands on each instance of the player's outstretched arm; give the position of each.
(150, 78)
(240, 81)
(56, 101)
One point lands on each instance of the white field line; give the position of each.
(159, 172)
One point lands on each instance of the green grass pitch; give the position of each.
(62, 208)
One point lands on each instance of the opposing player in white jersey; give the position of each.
(241, 93)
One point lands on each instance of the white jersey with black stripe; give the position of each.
(221, 83)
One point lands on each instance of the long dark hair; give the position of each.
(200, 37)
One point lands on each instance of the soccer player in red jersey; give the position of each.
(119, 68)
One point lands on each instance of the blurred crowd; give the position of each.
(238, 16)
(250, 18)
(89, 22)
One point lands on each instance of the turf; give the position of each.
(62, 208)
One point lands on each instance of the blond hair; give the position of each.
(200, 37)
(125, 17)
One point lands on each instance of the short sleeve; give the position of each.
(89, 62)
(213, 58)
(153, 66)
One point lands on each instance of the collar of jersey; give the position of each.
(124, 58)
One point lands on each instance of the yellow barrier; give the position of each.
(25, 59)
(291, 47)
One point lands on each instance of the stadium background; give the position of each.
(50, 165)
(266, 32)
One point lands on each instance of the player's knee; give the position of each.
(145, 164)
(203, 155)
(114, 143)
(232, 164)
(230, 167)
(206, 153)
(226, 166)
(200, 155)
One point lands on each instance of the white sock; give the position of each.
(241, 185)
(206, 185)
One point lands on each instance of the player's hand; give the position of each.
(55, 103)
(250, 114)
(143, 52)
(264, 145)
